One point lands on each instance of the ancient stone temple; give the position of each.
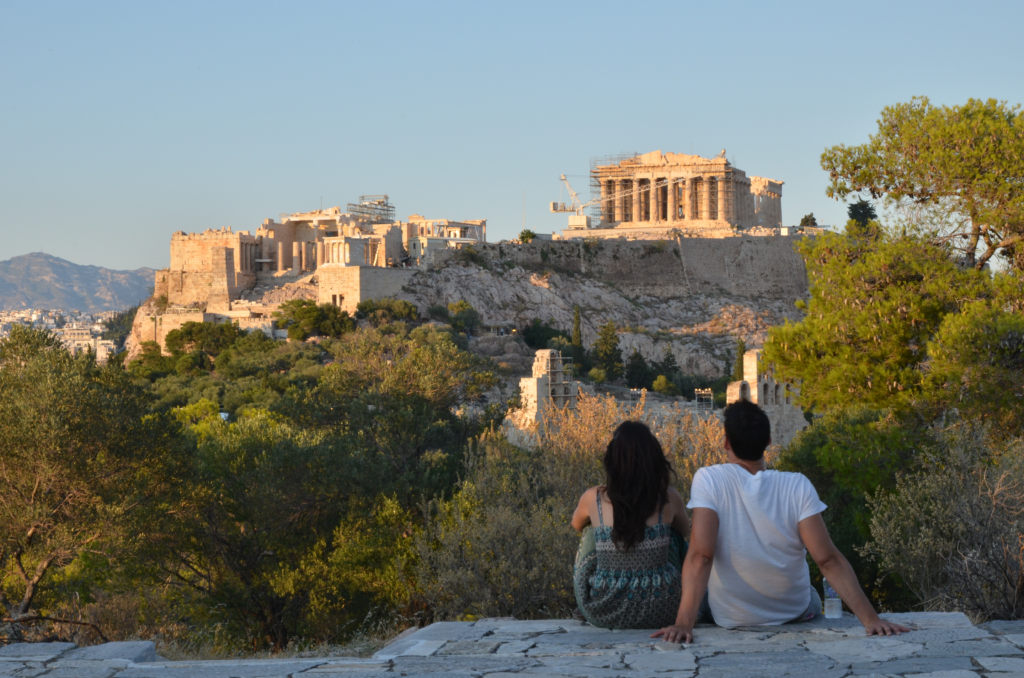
(651, 194)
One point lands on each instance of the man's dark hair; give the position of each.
(748, 430)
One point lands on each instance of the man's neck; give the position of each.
(752, 467)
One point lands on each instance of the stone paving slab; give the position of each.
(940, 646)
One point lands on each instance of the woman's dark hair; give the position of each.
(637, 477)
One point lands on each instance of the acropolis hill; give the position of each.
(688, 253)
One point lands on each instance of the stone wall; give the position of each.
(346, 286)
(741, 266)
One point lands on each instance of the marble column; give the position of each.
(604, 202)
(296, 258)
(655, 200)
(687, 188)
(705, 198)
(673, 211)
(620, 200)
(724, 199)
(636, 200)
(280, 257)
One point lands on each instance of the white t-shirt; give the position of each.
(759, 575)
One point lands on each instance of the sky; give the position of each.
(121, 123)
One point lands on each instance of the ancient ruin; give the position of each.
(777, 399)
(550, 386)
(655, 194)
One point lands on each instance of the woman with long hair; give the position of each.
(628, 569)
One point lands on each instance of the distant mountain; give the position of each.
(39, 280)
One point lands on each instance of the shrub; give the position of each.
(503, 544)
(665, 387)
(463, 317)
(952, 531)
(389, 310)
(305, 318)
(597, 375)
(538, 334)
(849, 455)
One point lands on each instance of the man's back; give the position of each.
(760, 573)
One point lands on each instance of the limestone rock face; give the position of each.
(700, 328)
(508, 351)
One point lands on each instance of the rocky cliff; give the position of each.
(694, 297)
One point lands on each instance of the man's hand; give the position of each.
(880, 627)
(677, 633)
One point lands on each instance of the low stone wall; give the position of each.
(941, 645)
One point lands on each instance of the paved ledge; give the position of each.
(940, 646)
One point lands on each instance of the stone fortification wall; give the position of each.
(742, 266)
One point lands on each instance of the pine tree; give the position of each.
(577, 333)
(637, 372)
(668, 365)
(606, 350)
(737, 368)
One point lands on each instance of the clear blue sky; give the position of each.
(121, 123)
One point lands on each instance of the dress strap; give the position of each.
(600, 516)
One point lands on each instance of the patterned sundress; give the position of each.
(635, 589)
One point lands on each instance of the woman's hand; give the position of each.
(677, 633)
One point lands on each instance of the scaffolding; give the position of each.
(705, 399)
(596, 177)
(561, 387)
(373, 208)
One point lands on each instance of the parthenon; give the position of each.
(648, 194)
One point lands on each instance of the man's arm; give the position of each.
(696, 572)
(837, 570)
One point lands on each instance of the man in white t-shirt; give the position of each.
(752, 529)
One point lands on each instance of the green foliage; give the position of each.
(384, 311)
(577, 332)
(951, 528)
(667, 366)
(500, 546)
(869, 230)
(874, 307)
(956, 158)
(305, 318)
(463, 317)
(82, 460)
(537, 335)
(207, 338)
(977, 366)
(808, 220)
(606, 353)
(562, 345)
(438, 312)
(861, 212)
(637, 372)
(664, 386)
(737, 368)
(526, 235)
(597, 375)
(850, 455)
(120, 326)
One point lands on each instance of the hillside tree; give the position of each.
(959, 166)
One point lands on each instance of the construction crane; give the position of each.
(577, 207)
